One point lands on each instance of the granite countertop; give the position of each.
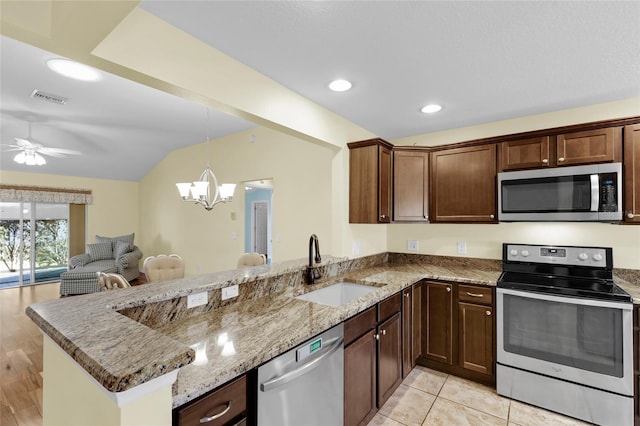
(122, 344)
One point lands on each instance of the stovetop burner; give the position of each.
(585, 272)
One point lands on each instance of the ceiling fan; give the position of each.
(31, 153)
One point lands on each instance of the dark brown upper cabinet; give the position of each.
(463, 184)
(632, 173)
(410, 186)
(370, 165)
(588, 147)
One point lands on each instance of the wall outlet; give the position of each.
(197, 299)
(462, 247)
(234, 235)
(412, 245)
(229, 292)
(357, 248)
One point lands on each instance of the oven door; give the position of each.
(584, 341)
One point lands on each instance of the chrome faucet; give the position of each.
(312, 273)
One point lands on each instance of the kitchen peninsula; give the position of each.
(133, 344)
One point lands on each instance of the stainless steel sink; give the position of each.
(337, 294)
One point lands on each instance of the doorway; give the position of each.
(34, 242)
(258, 196)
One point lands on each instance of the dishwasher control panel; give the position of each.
(308, 349)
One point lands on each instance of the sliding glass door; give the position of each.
(34, 242)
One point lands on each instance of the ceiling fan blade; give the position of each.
(57, 151)
(25, 143)
(13, 148)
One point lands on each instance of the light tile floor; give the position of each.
(427, 397)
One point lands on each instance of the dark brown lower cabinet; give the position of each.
(475, 337)
(372, 360)
(224, 406)
(636, 364)
(458, 335)
(389, 358)
(360, 380)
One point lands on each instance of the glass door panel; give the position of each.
(33, 242)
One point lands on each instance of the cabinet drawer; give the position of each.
(389, 306)
(356, 326)
(473, 294)
(231, 398)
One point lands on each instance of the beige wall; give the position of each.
(485, 240)
(302, 205)
(115, 202)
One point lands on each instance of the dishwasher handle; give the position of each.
(302, 370)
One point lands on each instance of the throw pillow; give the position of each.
(100, 251)
(126, 238)
(122, 247)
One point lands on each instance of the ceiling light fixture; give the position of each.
(431, 108)
(340, 85)
(199, 192)
(74, 70)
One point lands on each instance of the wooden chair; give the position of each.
(251, 259)
(110, 281)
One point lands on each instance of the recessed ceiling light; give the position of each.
(431, 108)
(340, 85)
(73, 70)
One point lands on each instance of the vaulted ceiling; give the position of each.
(482, 61)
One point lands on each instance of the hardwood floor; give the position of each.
(21, 355)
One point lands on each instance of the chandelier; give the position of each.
(200, 191)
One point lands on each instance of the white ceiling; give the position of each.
(483, 61)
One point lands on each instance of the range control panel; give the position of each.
(560, 255)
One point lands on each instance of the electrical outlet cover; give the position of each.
(412, 245)
(197, 299)
(229, 292)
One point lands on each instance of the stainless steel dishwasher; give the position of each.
(304, 386)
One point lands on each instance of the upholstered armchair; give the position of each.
(110, 255)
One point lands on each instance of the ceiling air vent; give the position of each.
(44, 96)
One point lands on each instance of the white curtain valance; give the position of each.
(44, 194)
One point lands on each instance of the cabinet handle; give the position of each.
(475, 294)
(561, 159)
(448, 289)
(491, 216)
(406, 294)
(488, 313)
(630, 215)
(216, 416)
(545, 161)
(384, 332)
(377, 336)
(382, 216)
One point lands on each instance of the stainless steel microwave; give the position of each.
(579, 193)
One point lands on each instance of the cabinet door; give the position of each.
(384, 184)
(592, 146)
(438, 330)
(360, 380)
(410, 186)
(463, 184)
(363, 184)
(407, 331)
(389, 357)
(524, 154)
(475, 337)
(416, 338)
(632, 173)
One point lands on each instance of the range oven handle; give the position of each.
(566, 299)
(595, 193)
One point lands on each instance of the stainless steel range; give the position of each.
(564, 332)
